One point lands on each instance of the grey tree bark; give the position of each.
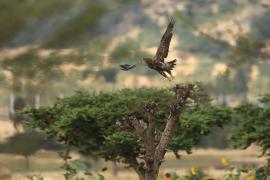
(155, 147)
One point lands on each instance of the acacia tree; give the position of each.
(27, 144)
(253, 127)
(133, 126)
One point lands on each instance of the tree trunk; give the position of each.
(141, 175)
(152, 173)
(11, 104)
(37, 100)
(114, 169)
(133, 162)
(154, 146)
(27, 162)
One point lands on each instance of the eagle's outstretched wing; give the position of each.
(163, 49)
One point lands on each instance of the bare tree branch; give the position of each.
(132, 123)
(155, 147)
(182, 93)
(149, 141)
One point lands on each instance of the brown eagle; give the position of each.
(157, 62)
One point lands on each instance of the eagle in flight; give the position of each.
(157, 62)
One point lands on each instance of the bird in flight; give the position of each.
(157, 62)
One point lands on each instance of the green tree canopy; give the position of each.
(90, 122)
(253, 125)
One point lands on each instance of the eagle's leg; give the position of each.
(165, 75)
(170, 73)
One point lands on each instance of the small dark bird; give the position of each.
(157, 62)
(126, 67)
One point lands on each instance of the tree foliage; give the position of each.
(253, 125)
(90, 122)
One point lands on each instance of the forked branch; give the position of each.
(155, 148)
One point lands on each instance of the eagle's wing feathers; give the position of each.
(163, 49)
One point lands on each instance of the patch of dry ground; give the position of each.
(48, 164)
